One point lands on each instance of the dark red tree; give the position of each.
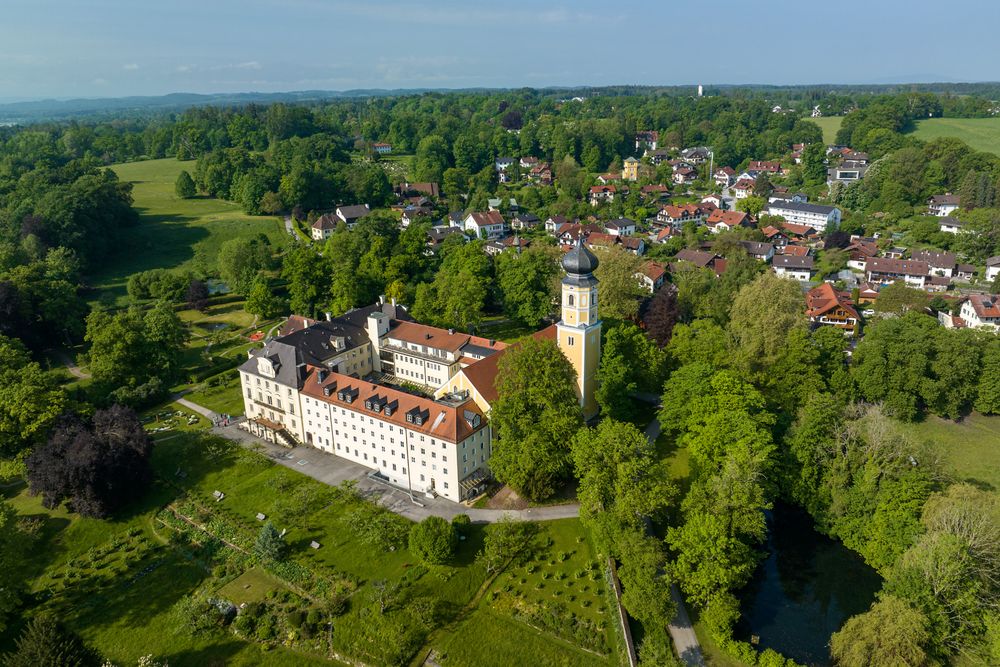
(95, 467)
(660, 315)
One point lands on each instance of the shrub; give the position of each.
(461, 523)
(295, 618)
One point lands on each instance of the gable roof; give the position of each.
(354, 211)
(483, 374)
(940, 260)
(824, 298)
(906, 267)
(487, 218)
(792, 262)
(697, 257)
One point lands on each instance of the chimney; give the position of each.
(320, 377)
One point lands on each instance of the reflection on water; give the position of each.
(804, 590)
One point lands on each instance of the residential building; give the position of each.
(816, 216)
(883, 270)
(981, 311)
(324, 226)
(950, 225)
(724, 176)
(351, 214)
(600, 194)
(685, 175)
(939, 263)
(943, 205)
(763, 252)
(992, 268)
(630, 169)
(523, 221)
(743, 188)
(793, 266)
(757, 167)
(489, 225)
(632, 244)
(654, 192)
(620, 227)
(651, 276)
(382, 148)
(698, 258)
(647, 139)
(552, 223)
(867, 294)
(725, 221)
(827, 306)
(848, 171)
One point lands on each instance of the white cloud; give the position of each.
(130, 67)
(100, 82)
(184, 68)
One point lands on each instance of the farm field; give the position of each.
(980, 133)
(181, 234)
(829, 125)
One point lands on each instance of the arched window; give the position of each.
(569, 300)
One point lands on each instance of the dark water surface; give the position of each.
(804, 590)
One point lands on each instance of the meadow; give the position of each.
(970, 449)
(118, 582)
(179, 234)
(829, 125)
(983, 134)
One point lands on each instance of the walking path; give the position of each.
(681, 630)
(333, 470)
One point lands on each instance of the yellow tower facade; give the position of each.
(579, 329)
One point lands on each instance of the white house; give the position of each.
(490, 225)
(793, 266)
(943, 205)
(324, 227)
(884, 270)
(981, 311)
(938, 263)
(950, 225)
(351, 214)
(817, 216)
(993, 267)
(620, 227)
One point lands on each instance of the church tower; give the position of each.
(579, 330)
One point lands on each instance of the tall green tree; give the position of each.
(261, 301)
(619, 288)
(534, 417)
(529, 283)
(630, 363)
(240, 260)
(184, 186)
(764, 313)
(890, 634)
(30, 399)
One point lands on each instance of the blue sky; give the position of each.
(105, 48)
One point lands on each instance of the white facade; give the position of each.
(818, 217)
(974, 320)
(801, 274)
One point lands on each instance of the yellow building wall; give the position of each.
(459, 382)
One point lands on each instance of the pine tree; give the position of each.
(46, 643)
(184, 186)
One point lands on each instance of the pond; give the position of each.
(804, 590)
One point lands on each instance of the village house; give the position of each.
(351, 214)
(523, 221)
(600, 194)
(620, 227)
(605, 179)
(939, 263)
(816, 216)
(950, 225)
(324, 227)
(511, 243)
(698, 258)
(763, 252)
(724, 176)
(437, 234)
(382, 148)
(715, 200)
(981, 311)
(795, 250)
(685, 175)
(992, 268)
(758, 167)
(409, 189)
(867, 294)
(726, 221)
(859, 252)
(793, 266)
(827, 306)
(943, 205)
(412, 213)
(743, 188)
(655, 192)
(632, 244)
(541, 174)
(651, 276)
(848, 171)
(883, 270)
(696, 155)
(657, 156)
(630, 169)
(553, 222)
(775, 236)
(647, 139)
(676, 216)
(490, 225)
(528, 162)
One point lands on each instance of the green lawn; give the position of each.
(980, 133)
(970, 449)
(829, 125)
(251, 586)
(182, 234)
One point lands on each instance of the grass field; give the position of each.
(829, 125)
(970, 449)
(980, 133)
(182, 234)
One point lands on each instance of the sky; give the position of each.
(113, 48)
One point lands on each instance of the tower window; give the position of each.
(569, 340)
(569, 300)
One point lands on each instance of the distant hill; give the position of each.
(26, 112)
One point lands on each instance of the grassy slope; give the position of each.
(172, 233)
(981, 133)
(829, 125)
(970, 449)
